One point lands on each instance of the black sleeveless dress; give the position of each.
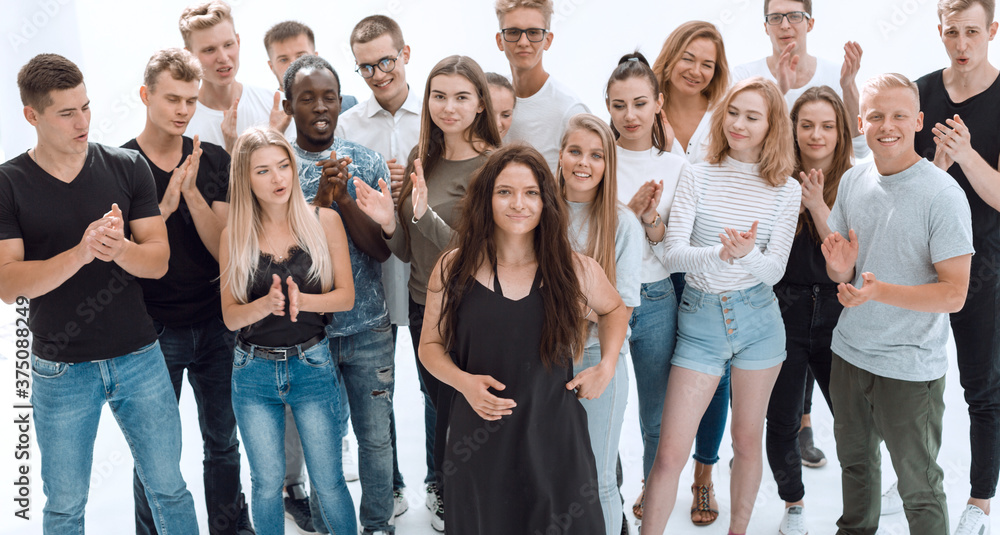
(530, 472)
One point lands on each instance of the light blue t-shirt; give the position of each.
(629, 238)
(905, 223)
(369, 310)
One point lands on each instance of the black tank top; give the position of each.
(981, 113)
(280, 331)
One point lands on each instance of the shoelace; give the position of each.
(971, 517)
(795, 521)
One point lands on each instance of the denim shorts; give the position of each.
(742, 326)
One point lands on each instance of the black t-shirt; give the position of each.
(189, 292)
(281, 331)
(97, 313)
(981, 113)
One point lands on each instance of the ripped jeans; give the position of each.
(366, 365)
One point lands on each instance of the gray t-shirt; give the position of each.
(905, 223)
(629, 238)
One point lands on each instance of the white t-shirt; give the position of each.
(254, 109)
(540, 119)
(827, 73)
(635, 168)
(698, 144)
(392, 136)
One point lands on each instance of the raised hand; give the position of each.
(849, 296)
(739, 244)
(279, 120)
(812, 189)
(190, 184)
(476, 389)
(852, 64)
(229, 131)
(172, 196)
(274, 301)
(108, 240)
(293, 298)
(841, 254)
(787, 63)
(376, 204)
(591, 382)
(333, 182)
(954, 140)
(419, 189)
(397, 172)
(639, 204)
(84, 249)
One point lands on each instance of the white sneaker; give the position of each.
(891, 502)
(350, 462)
(974, 522)
(793, 523)
(399, 503)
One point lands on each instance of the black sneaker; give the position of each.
(297, 510)
(811, 455)
(243, 525)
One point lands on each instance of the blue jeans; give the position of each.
(205, 350)
(308, 384)
(366, 364)
(67, 401)
(604, 422)
(430, 392)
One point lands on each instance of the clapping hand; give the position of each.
(645, 201)
(954, 141)
(419, 189)
(107, 241)
(333, 182)
(274, 301)
(397, 172)
(377, 204)
(787, 63)
(849, 296)
(737, 244)
(279, 120)
(229, 131)
(812, 189)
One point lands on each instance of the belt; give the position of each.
(278, 353)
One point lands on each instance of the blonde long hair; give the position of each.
(246, 225)
(777, 155)
(602, 217)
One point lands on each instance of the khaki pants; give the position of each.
(907, 415)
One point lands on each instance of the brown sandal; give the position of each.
(639, 502)
(702, 496)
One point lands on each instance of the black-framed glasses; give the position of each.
(794, 17)
(513, 35)
(386, 64)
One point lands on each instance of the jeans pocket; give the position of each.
(657, 290)
(759, 300)
(317, 356)
(47, 369)
(240, 358)
(688, 305)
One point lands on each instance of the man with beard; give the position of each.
(361, 338)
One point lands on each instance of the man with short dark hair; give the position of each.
(961, 105)
(78, 223)
(192, 180)
(360, 339)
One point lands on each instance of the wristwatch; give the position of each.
(654, 224)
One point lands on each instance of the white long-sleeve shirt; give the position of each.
(711, 197)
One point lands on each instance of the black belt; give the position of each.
(278, 353)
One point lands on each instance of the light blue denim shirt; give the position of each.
(369, 310)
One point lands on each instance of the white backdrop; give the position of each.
(111, 40)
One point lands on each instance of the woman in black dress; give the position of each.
(508, 307)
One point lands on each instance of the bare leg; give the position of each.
(751, 393)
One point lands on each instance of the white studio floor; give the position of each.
(110, 507)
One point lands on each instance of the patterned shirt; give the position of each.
(369, 310)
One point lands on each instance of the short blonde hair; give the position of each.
(777, 156)
(545, 6)
(202, 16)
(883, 82)
(949, 7)
(181, 64)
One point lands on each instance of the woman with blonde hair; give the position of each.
(607, 231)
(693, 74)
(283, 266)
(731, 229)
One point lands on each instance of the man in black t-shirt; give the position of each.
(192, 180)
(961, 106)
(78, 223)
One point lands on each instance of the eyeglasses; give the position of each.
(513, 35)
(794, 17)
(386, 64)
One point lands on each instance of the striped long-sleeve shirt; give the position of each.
(711, 197)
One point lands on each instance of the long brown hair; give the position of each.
(563, 333)
(842, 154)
(602, 214)
(635, 65)
(430, 145)
(673, 51)
(777, 158)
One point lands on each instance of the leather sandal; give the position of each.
(639, 502)
(702, 495)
